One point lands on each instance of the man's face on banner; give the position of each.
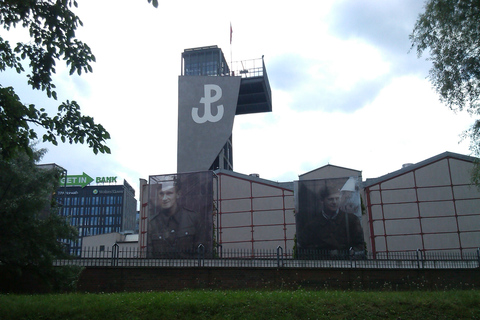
(332, 202)
(167, 196)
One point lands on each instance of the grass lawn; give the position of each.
(300, 304)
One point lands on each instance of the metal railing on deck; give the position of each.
(248, 68)
(275, 258)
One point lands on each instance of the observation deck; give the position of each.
(255, 94)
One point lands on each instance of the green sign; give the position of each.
(79, 180)
(106, 180)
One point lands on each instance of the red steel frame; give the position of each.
(252, 211)
(380, 190)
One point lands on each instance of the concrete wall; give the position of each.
(111, 279)
(201, 140)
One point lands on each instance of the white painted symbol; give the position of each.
(207, 100)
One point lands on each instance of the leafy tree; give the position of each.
(450, 31)
(29, 229)
(51, 25)
(30, 225)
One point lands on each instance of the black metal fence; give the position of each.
(277, 258)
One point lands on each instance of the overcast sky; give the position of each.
(346, 89)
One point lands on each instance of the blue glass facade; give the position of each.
(97, 210)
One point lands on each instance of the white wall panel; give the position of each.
(380, 244)
(460, 171)
(405, 210)
(261, 190)
(268, 232)
(441, 241)
(267, 203)
(468, 206)
(407, 226)
(377, 212)
(399, 196)
(268, 217)
(378, 227)
(470, 239)
(435, 174)
(466, 191)
(403, 243)
(403, 181)
(441, 208)
(434, 194)
(469, 223)
(227, 206)
(442, 224)
(236, 234)
(235, 219)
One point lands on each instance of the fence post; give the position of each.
(351, 254)
(279, 249)
(478, 256)
(115, 250)
(418, 258)
(201, 254)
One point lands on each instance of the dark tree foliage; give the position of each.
(51, 25)
(30, 225)
(154, 3)
(449, 30)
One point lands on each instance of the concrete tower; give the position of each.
(209, 97)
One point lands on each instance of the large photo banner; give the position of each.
(180, 222)
(328, 218)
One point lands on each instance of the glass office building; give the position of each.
(97, 210)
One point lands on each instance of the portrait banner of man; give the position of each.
(180, 219)
(328, 218)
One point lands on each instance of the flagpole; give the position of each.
(231, 60)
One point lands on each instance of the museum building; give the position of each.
(430, 205)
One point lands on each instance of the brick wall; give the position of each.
(112, 279)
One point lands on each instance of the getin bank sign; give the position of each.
(84, 180)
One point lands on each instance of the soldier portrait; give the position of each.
(180, 215)
(328, 217)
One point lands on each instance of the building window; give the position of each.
(102, 248)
